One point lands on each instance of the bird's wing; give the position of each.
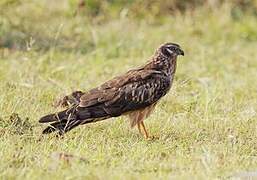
(134, 90)
(113, 89)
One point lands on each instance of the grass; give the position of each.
(206, 124)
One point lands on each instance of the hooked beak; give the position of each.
(180, 52)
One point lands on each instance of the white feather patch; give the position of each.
(170, 51)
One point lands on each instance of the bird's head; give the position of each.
(170, 50)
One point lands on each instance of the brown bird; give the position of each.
(135, 94)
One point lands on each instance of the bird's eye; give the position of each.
(172, 48)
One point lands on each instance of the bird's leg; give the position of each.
(144, 130)
(139, 128)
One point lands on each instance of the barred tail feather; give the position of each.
(60, 121)
(68, 119)
(61, 127)
(54, 117)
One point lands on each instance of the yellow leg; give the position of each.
(139, 128)
(144, 130)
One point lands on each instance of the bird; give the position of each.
(134, 94)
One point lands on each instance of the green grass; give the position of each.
(206, 124)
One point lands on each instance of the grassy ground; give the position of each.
(206, 125)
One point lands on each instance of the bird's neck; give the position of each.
(163, 64)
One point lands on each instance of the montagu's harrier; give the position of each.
(134, 94)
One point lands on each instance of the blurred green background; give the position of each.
(205, 127)
(22, 19)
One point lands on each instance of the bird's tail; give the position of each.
(68, 119)
(62, 121)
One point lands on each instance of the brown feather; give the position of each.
(135, 93)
